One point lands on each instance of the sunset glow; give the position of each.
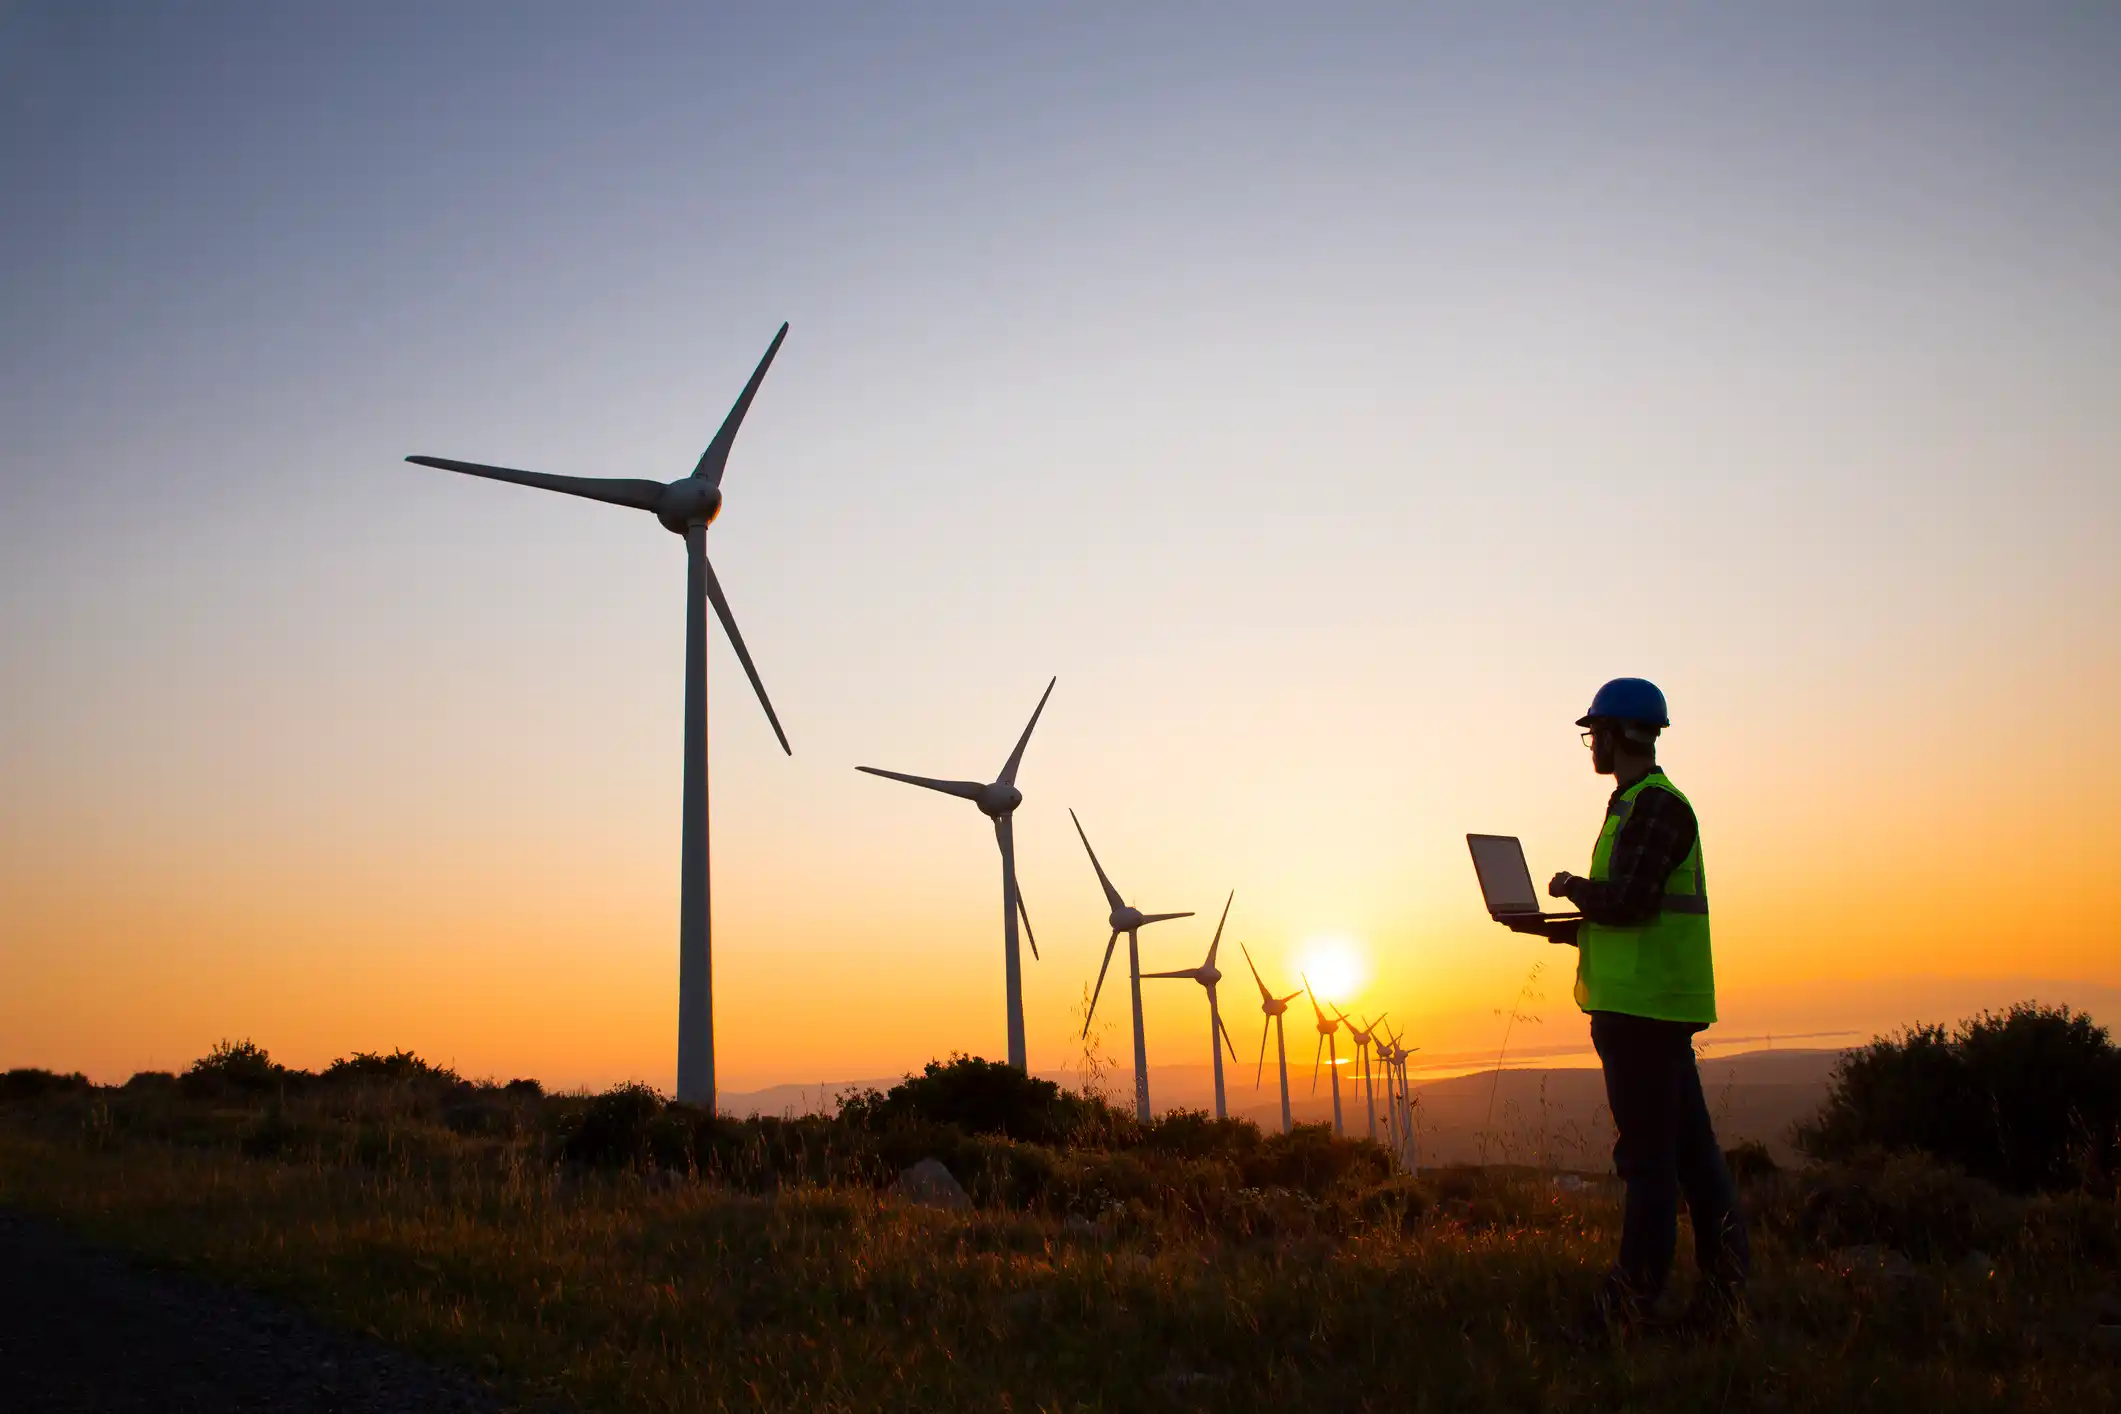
(1335, 967)
(1331, 406)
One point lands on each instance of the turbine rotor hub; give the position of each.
(684, 502)
(998, 799)
(1126, 920)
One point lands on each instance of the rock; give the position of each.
(931, 1185)
(1978, 1265)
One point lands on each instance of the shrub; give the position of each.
(1902, 1201)
(977, 1096)
(35, 1084)
(1749, 1161)
(399, 1067)
(236, 1067)
(613, 1133)
(2029, 1100)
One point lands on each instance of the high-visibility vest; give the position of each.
(1660, 968)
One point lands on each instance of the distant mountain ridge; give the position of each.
(1555, 1116)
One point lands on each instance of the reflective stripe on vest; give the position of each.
(1660, 968)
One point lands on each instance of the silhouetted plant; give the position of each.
(242, 1066)
(398, 1067)
(977, 1096)
(614, 1132)
(29, 1084)
(2029, 1099)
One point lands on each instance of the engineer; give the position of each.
(1644, 975)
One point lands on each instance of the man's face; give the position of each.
(1600, 739)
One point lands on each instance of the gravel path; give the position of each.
(83, 1331)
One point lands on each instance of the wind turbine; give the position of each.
(1395, 1057)
(1131, 921)
(998, 800)
(1326, 1027)
(686, 507)
(1274, 1007)
(1207, 976)
(1362, 1047)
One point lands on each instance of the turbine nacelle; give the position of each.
(998, 798)
(686, 503)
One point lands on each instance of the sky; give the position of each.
(1331, 397)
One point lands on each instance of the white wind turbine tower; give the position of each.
(1361, 1036)
(1207, 975)
(685, 507)
(1131, 921)
(1275, 1007)
(1395, 1056)
(997, 800)
(1326, 1046)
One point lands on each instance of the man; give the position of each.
(1644, 974)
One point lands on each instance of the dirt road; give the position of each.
(87, 1332)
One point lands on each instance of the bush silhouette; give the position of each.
(616, 1131)
(30, 1084)
(398, 1067)
(236, 1066)
(2029, 1100)
(976, 1096)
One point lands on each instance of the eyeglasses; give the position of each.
(1590, 738)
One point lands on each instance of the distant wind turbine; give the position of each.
(1275, 1007)
(685, 507)
(1326, 1046)
(1400, 1094)
(1131, 921)
(1207, 976)
(1361, 1036)
(998, 800)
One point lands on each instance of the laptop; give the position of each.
(1506, 881)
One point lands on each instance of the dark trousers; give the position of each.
(1666, 1147)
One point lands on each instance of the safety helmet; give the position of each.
(1628, 700)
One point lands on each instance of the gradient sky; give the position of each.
(1331, 397)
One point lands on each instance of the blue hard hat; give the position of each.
(1628, 700)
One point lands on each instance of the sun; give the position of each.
(1335, 966)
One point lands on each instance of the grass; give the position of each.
(454, 1232)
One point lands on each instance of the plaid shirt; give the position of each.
(1655, 837)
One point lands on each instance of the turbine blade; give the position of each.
(1016, 757)
(1259, 1071)
(1291, 997)
(1224, 1027)
(1264, 994)
(1100, 991)
(1218, 942)
(736, 641)
(963, 790)
(640, 495)
(1149, 918)
(715, 459)
(1111, 894)
(1192, 972)
(1005, 836)
(1318, 1053)
(1314, 1000)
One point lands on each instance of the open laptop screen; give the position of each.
(1505, 881)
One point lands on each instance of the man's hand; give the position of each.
(1560, 884)
(1554, 930)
